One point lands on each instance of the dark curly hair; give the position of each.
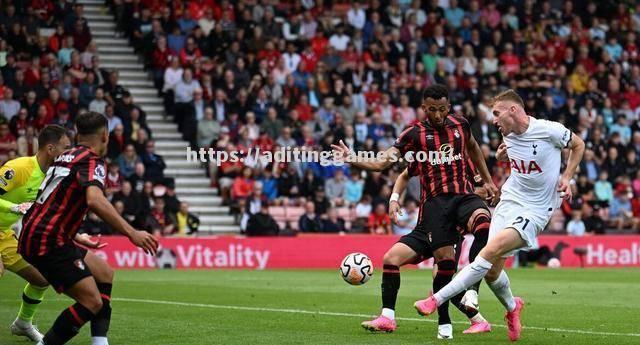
(436, 92)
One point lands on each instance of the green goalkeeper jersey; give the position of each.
(20, 180)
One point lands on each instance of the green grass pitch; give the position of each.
(567, 306)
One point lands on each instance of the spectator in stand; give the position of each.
(603, 188)
(379, 222)
(576, 226)
(187, 223)
(7, 142)
(262, 224)
(184, 90)
(127, 161)
(208, 129)
(335, 188)
(153, 163)
(27, 143)
(310, 221)
(160, 221)
(252, 205)
(138, 180)
(242, 186)
(333, 223)
(114, 179)
(9, 107)
(621, 213)
(131, 202)
(117, 142)
(99, 103)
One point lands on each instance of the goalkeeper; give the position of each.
(20, 180)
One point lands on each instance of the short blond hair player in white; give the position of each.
(529, 196)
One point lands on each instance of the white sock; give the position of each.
(502, 289)
(389, 313)
(468, 276)
(22, 323)
(99, 341)
(478, 318)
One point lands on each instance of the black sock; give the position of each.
(68, 324)
(457, 301)
(480, 231)
(100, 323)
(390, 286)
(446, 270)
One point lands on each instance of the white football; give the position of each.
(356, 269)
(554, 263)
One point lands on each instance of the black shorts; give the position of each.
(443, 214)
(417, 240)
(63, 267)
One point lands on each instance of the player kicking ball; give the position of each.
(73, 184)
(413, 249)
(20, 179)
(442, 146)
(529, 196)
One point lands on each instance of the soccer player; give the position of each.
(410, 251)
(529, 196)
(73, 184)
(441, 146)
(20, 179)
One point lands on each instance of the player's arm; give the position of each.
(379, 163)
(99, 204)
(398, 189)
(576, 150)
(477, 157)
(12, 177)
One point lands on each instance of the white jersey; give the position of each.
(535, 157)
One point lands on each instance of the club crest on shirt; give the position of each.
(79, 264)
(456, 134)
(8, 175)
(99, 173)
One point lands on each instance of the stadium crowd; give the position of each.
(51, 72)
(271, 74)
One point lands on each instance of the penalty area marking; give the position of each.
(327, 313)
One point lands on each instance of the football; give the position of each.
(356, 269)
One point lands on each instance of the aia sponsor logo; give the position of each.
(525, 167)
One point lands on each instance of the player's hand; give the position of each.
(87, 241)
(21, 208)
(501, 153)
(493, 193)
(145, 241)
(394, 211)
(341, 151)
(564, 188)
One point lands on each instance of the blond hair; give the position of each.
(510, 96)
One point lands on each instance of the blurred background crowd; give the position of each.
(263, 73)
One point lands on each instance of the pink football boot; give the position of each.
(426, 307)
(513, 320)
(478, 327)
(380, 324)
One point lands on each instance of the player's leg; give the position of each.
(499, 283)
(32, 296)
(477, 223)
(399, 255)
(103, 275)
(445, 259)
(88, 305)
(504, 242)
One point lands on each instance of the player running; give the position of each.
(410, 250)
(529, 196)
(73, 184)
(19, 182)
(446, 140)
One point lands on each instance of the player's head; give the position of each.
(92, 129)
(507, 107)
(52, 141)
(435, 104)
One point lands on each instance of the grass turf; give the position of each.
(589, 300)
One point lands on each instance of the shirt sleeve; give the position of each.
(559, 135)
(11, 177)
(406, 140)
(91, 172)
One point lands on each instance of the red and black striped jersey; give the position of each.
(61, 204)
(438, 156)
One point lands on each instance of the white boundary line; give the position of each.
(326, 313)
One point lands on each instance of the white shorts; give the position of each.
(526, 221)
